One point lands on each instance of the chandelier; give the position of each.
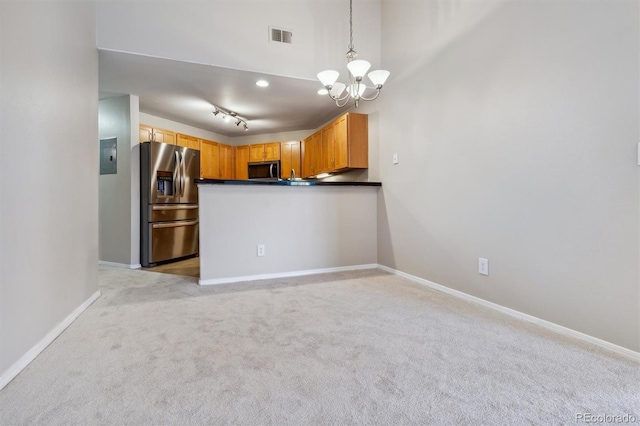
(357, 70)
(230, 115)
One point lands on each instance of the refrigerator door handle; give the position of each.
(174, 207)
(182, 175)
(176, 174)
(176, 224)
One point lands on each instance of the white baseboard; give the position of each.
(627, 353)
(20, 365)
(120, 265)
(230, 280)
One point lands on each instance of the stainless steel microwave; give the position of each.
(264, 170)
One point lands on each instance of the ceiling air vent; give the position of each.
(279, 35)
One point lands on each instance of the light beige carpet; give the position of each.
(346, 348)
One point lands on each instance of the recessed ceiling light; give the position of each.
(323, 92)
(262, 83)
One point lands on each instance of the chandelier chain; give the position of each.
(350, 24)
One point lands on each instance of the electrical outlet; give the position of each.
(262, 251)
(395, 158)
(483, 266)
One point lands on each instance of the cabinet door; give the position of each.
(357, 137)
(340, 144)
(193, 143)
(209, 160)
(328, 148)
(317, 154)
(187, 141)
(226, 162)
(165, 136)
(290, 159)
(256, 153)
(146, 133)
(272, 151)
(312, 155)
(181, 140)
(306, 157)
(242, 161)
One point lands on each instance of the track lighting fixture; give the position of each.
(227, 115)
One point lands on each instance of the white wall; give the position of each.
(115, 192)
(177, 127)
(303, 228)
(48, 166)
(134, 119)
(516, 123)
(233, 34)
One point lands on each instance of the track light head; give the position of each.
(230, 115)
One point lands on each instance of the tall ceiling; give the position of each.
(182, 58)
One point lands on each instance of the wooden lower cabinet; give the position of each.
(209, 159)
(290, 159)
(242, 162)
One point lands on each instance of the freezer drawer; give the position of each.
(168, 212)
(171, 240)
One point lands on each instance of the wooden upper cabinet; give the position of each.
(241, 162)
(311, 152)
(264, 152)
(226, 162)
(256, 153)
(342, 145)
(188, 141)
(290, 159)
(165, 136)
(328, 148)
(272, 151)
(209, 159)
(148, 133)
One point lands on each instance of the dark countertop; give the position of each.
(282, 182)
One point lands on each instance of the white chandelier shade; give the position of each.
(358, 68)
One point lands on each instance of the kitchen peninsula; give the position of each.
(262, 229)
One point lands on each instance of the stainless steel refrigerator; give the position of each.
(169, 202)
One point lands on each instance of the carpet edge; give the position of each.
(556, 328)
(32, 354)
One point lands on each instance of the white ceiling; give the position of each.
(182, 58)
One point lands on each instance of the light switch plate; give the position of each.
(483, 266)
(395, 158)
